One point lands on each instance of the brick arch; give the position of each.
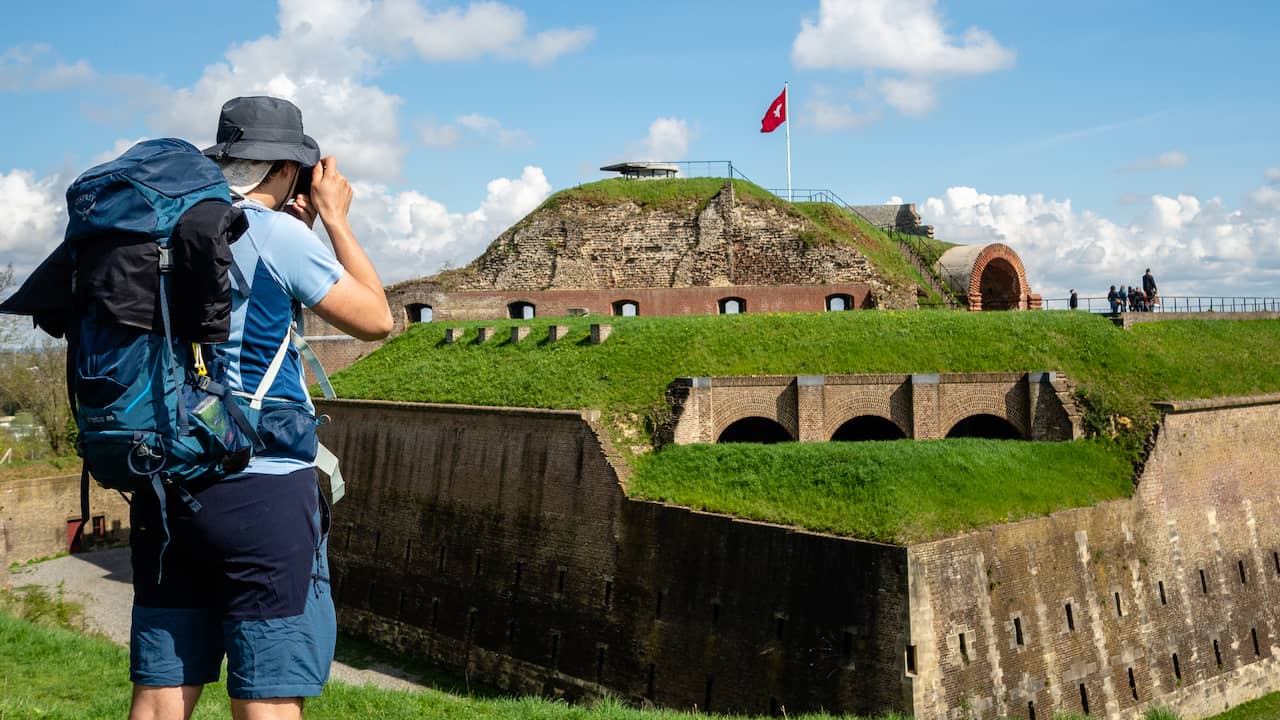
(777, 404)
(835, 426)
(965, 265)
(993, 256)
(956, 406)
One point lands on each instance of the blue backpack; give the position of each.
(141, 287)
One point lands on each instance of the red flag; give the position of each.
(776, 115)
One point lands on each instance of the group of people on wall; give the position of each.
(1128, 297)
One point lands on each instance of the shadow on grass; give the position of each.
(364, 655)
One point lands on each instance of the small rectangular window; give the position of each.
(1163, 600)
(1017, 630)
(911, 659)
(1084, 699)
(1257, 651)
(1133, 686)
(1031, 711)
(608, 593)
(1204, 584)
(1119, 609)
(964, 649)
(1071, 620)
(1217, 654)
(1177, 669)
(1243, 579)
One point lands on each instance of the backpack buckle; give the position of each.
(166, 260)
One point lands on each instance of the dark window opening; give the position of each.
(649, 681)
(868, 427)
(1084, 699)
(1017, 630)
(608, 593)
(964, 649)
(521, 310)
(911, 659)
(99, 526)
(1243, 579)
(1031, 711)
(1177, 669)
(1217, 654)
(755, 430)
(1163, 600)
(1119, 609)
(626, 308)
(990, 427)
(1071, 620)
(732, 305)
(419, 313)
(1204, 584)
(657, 609)
(1257, 651)
(1275, 557)
(836, 303)
(1133, 686)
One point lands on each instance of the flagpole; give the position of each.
(786, 113)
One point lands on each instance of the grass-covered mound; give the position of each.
(897, 492)
(953, 485)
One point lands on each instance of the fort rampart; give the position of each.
(35, 514)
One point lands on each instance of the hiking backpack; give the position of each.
(141, 287)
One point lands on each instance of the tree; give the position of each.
(33, 376)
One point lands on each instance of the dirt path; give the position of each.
(102, 583)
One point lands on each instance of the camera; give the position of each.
(303, 184)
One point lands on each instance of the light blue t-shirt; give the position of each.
(284, 264)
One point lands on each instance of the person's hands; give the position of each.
(302, 209)
(330, 191)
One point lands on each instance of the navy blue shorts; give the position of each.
(245, 577)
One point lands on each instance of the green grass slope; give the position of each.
(897, 492)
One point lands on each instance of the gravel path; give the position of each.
(102, 583)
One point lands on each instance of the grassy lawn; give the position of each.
(896, 492)
(69, 465)
(664, 193)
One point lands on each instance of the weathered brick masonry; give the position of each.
(500, 541)
(34, 514)
(1093, 605)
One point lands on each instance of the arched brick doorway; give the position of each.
(868, 427)
(990, 427)
(1000, 286)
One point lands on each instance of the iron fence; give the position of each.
(1176, 303)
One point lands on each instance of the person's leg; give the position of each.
(164, 703)
(271, 709)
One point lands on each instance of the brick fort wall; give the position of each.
(34, 514)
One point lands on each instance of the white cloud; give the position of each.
(453, 33)
(30, 65)
(1273, 175)
(1170, 160)
(34, 217)
(475, 128)
(898, 35)
(408, 234)
(668, 139)
(910, 97)
(906, 39)
(1193, 246)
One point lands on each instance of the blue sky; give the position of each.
(1096, 138)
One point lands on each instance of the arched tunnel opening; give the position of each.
(999, 286)
(755, 430)
(868, 427)
(990, 427)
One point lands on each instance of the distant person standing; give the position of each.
(1122, 298)
(1074, 302)
(1113, 297)
(1149, 288)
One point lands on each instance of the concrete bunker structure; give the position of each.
(990, 277)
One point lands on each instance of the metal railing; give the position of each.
(1176, 303)
(705, 168)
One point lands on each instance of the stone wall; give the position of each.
(1091, 606)
(499, 541)
(811, 408)
(34, 514)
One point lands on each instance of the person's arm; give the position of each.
(356, 304)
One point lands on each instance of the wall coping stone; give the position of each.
(585, 414)
(1128, 319)
(485, 333)
(519, 332)
(600, 332)
(926, 378)
(1045, 376)
(556, 333)
(811, 380)
(454, 334)
(1175, 407)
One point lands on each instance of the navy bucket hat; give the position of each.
(263, 128)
